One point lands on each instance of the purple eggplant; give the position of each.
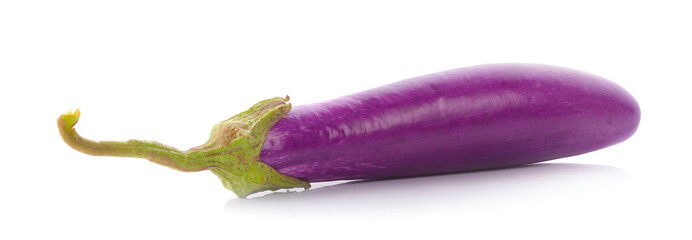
(480, 117)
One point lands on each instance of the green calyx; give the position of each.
(232, 151)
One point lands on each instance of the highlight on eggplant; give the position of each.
(473, 118)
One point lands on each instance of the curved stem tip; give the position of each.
(153, 151)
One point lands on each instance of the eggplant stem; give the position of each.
(232, 151)
(150, 150)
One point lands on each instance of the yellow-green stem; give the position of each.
(232, 151)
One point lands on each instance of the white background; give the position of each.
(169, 70)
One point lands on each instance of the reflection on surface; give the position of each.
(472, 191)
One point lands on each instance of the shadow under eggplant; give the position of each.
(467, 191)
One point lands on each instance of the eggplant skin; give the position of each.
(472, 118)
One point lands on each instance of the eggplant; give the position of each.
(473, 118)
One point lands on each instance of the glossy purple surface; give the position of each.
(472, 118)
